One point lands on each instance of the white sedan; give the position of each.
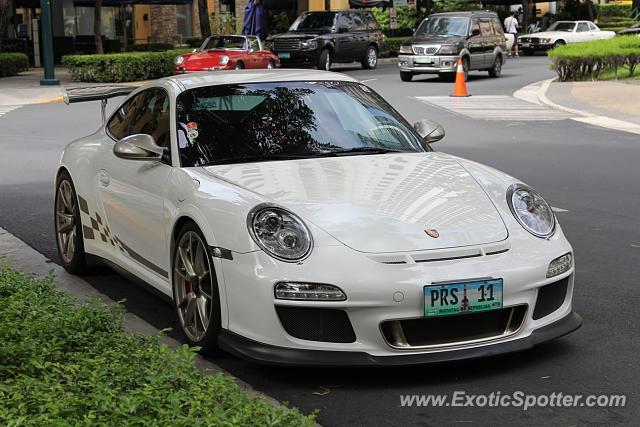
(561, 33)
(294, 217)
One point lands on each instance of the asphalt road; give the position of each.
(590, 172)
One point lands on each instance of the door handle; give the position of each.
(104, 178)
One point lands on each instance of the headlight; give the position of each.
(224, 59)
(279, 233)
(178, 60)
(449, 50)
(405, 49)
(309, 44)
(531, 210)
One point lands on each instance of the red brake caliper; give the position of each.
(188, 287)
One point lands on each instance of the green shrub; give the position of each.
(392, 46)
(454, 6)
(614, 9)
(406, 18)
(589, 60)
(13, 63)
(73, 365)
(121, 67)
(150, 47)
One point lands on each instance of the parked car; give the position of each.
(476, 37)
(634, 29)
(296, 218)
(324, 38)
(561, 33)
(227, 53)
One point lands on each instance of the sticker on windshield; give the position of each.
(192, 131)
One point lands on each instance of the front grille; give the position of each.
(425, 50)
(452, 330)
(529, 39)
(550, 298)
(286, 44)
(316, 324)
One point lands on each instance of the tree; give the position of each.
(97, 25)
(635, 6)
(5, 7)
(203, 17)
(528, 13)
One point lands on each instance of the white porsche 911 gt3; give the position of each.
(295, 218)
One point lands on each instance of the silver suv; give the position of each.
(476, 37)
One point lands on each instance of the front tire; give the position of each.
(370, 60)
(68, 226)
(195, 290)
(271, 64)
(406, 76)
(239, 66)
(324, 62)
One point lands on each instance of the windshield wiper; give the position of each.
(252, 159)
(362, 150)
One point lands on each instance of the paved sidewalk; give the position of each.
(25, 88)
(615, 99)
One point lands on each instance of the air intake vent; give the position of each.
(316, 324)
(550, 298)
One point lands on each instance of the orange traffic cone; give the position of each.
(460, 87)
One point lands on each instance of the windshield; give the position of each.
(443, 26)
(283, 121)
(562, 26)
(224, 42)
(318, 21)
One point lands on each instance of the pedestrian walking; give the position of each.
(511, 27)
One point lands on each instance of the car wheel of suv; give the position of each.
(370, 60)
(324, 63)
(496, 70)
(195, 290)
(406, 76)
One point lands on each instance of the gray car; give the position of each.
(476, 37)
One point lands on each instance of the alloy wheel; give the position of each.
(193, 285)
(66, 221)
(372, 57)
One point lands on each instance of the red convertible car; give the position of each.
(227, 53)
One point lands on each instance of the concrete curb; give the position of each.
(540, 90)
(22, 257)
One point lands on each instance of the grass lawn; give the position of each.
(68, 364)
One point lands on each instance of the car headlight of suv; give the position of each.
(178, 60)
(224, 59)
(405, 49)
(449, 49)
(280, 233)
(531, 210)
(309, 44)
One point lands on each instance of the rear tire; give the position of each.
(406, 76)
(68, 226)
(370, 60)
(195, 290)
(324, 62)
(496, 70)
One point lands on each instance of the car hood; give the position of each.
(547, 34)
(206, 59)
(302, 36)
(378, 203)
(435, 39)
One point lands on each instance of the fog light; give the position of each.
(308, 292)
(559, 265)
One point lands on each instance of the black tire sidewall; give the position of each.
(406, 76)
(208, 343)
(78, 263)
(239, 66)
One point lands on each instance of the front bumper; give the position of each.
(299, 58)
(534, 46)
(273, 355)
(428, 64)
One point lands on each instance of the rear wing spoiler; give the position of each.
(96, 93)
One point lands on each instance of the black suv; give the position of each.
(323, 38)
(476, 37)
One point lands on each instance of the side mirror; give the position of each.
(138, 147)
(429, 131)
(475, 32)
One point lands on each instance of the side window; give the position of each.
(345, 21)
(147, 112)
(582, 26)
(371, 23)
(357, 21)
(485, 28)
(475, 26)
(497, 28)
(254, 44)
(592, 27)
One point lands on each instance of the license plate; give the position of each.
(463, 297)
(284, 55)
(423, 60)
(525, 44)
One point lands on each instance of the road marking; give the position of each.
(559, 210)
(495, 107)
(4, 109)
